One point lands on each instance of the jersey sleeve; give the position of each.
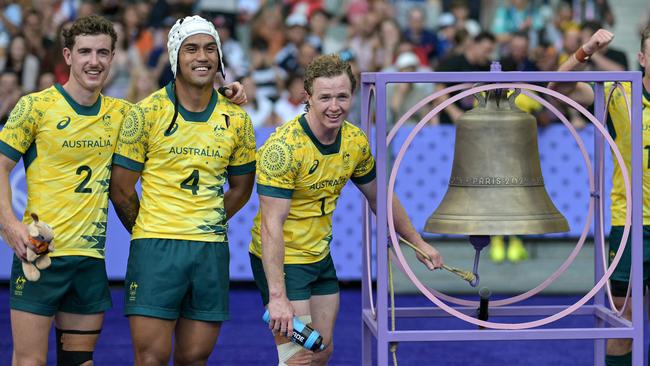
(20, 130)
(276, 169)
(133, 142)
(619, 125)
(242, 160)
(364, 171)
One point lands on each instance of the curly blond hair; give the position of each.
(327, 66)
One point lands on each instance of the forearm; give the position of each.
(403, 224)
(127, 206)
(7, 216)
(273, 261)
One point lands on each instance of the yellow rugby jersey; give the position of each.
(293, 164)
(67, 150)
(619, 127)
(183, 172)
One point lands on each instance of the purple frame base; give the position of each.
(375, 322)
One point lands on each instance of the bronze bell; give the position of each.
(496, 185)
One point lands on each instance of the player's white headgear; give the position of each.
(186, 27)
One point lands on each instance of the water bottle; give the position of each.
(303, 335)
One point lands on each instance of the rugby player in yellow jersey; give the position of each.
(618, 350)
(65, 135)
(301, 170)
(184, 142)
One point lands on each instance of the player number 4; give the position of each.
(192, 182)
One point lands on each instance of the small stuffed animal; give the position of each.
(42, 237)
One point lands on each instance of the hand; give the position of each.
(433, 260)
(598, 41)
(18, 238)
(235, 92)
(281, 316)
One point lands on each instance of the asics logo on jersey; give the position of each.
(227, 118)
(63, 123)
(171, 131)
(314, 166)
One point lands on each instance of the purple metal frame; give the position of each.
(607, 325)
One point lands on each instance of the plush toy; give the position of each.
(42, 237)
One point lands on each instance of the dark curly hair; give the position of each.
(327, 66)
(91, 25)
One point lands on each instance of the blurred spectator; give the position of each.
(518, 16)
(45, 80)
(607, 58)
(424, 40)
(141, 85)
(37, 43)
(387, 43)
(403, 96)
(265, 73)
(318, 24)
(259, 108)
(136, 32)
(571, 40)
(459, 9)
(561, 21)
(124, 61)
(291, 102)
(233, 52)
(268, 25)
(9, 94)
(22, 63)
(517, 58)
(296, 33)
(10, 20)
(363, 41)
(306, 54)
(475, 57)
(592, 10)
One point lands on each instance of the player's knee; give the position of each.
(75, 347)
(322, 357)
(29, 359)
(619, 346)
(191, 356)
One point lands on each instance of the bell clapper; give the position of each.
(479, 242)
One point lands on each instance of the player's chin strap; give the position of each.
(171, 125)
(75, 347)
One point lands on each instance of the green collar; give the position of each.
(332, 148)
(82, 110)
(188, 116)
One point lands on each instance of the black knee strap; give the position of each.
(72, 358)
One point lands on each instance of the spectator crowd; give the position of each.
(267, 44)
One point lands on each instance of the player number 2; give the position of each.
(192, 182)
(81, 188)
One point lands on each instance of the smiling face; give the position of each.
(198, 60)
(89, 60)
(330, 102)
